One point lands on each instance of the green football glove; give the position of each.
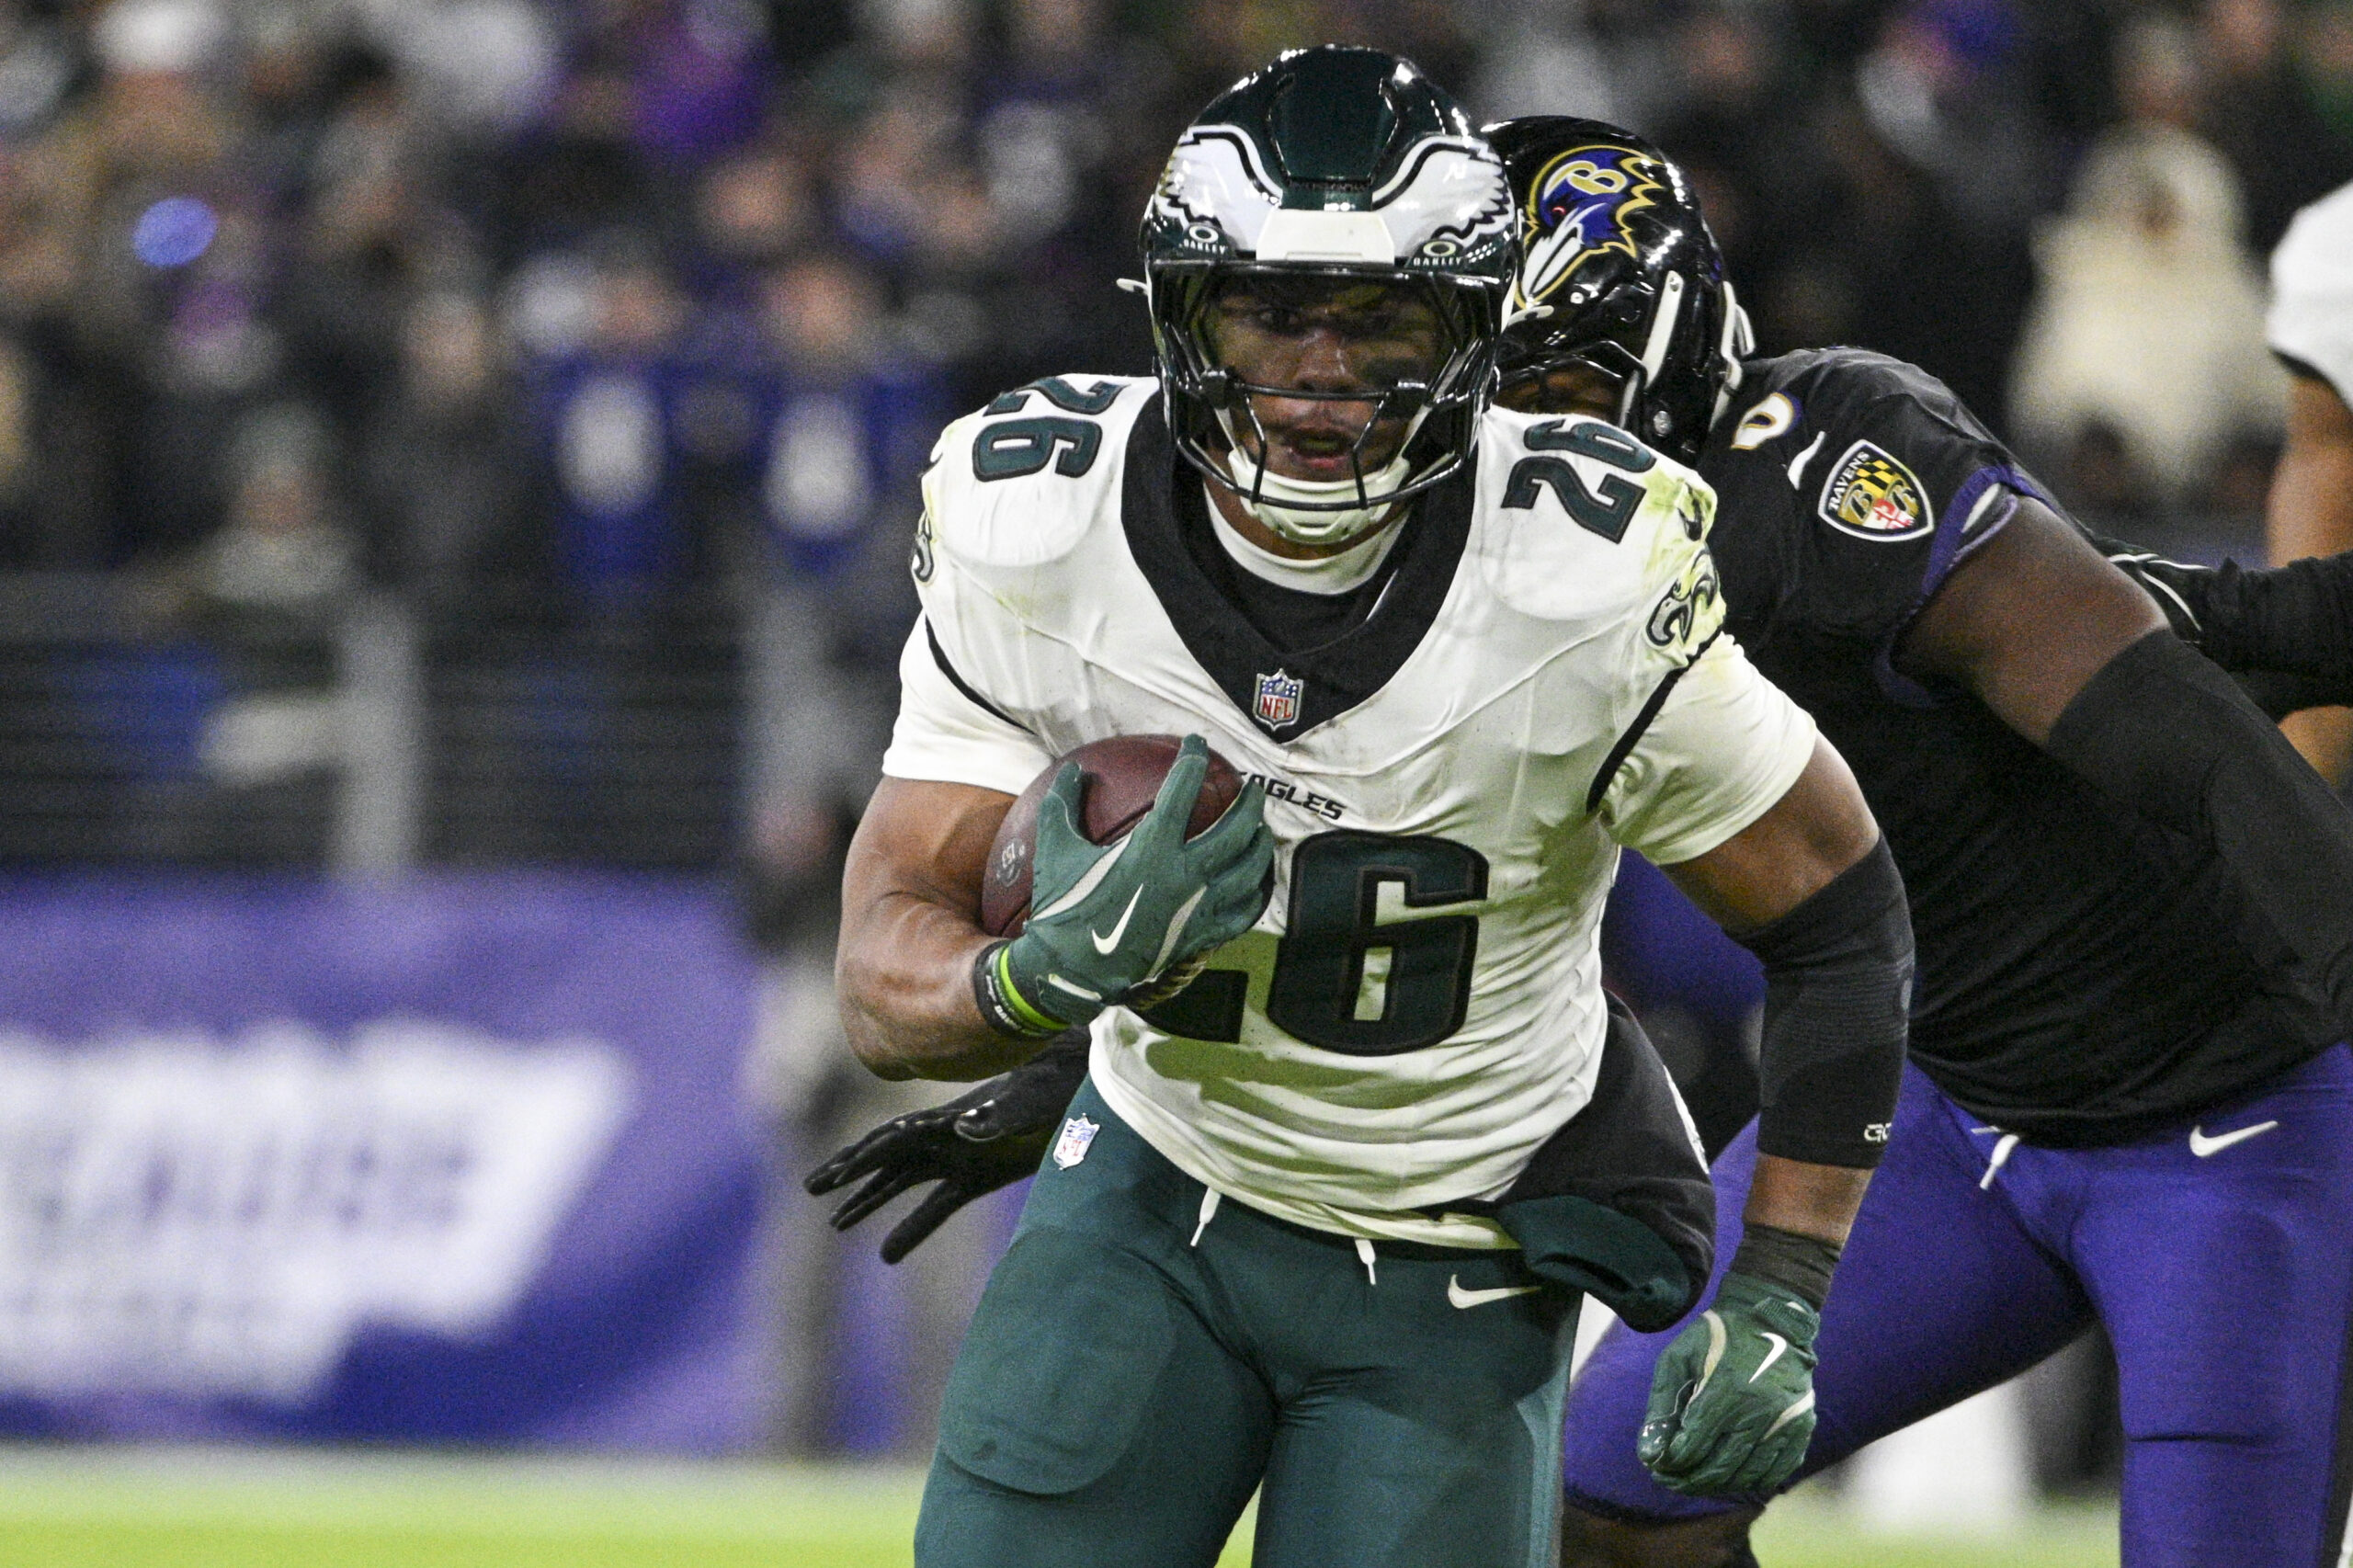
(1109, 921)
(1731, 1400)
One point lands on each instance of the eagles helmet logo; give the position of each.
(1871, 495)
(1579, 207)
(1332, 163)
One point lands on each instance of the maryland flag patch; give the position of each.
(1871, 495)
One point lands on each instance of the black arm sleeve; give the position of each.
(2279, 694)
(2293, 621)
(1837, 988)
(2169, 734)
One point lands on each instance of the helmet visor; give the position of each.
(1332, 367)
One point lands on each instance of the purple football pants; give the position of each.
(2219, 1255)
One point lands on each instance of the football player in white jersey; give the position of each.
(2311, 511)
(1319, 1223)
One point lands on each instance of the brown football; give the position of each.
(1122, 777)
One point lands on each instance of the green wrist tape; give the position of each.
(1002, 1004)
(1032, 1015)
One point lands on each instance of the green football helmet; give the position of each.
(1343, 165)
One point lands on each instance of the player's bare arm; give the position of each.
(2310, 513)
(1811, 888)
(1992, 629)
(1107, 918)
(911, 899)
(2109, 691)
(1819, 828)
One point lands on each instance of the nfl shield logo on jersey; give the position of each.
(1277, 702)
(1078, 1136)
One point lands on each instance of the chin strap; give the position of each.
(1738, 341)
(1316, 511)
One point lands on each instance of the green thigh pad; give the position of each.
(1423, 1430)
(1096, 1418)
(1141, 1359)
(1058, 1368)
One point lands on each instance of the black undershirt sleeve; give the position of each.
(2169, 734)
(2289, 629)
(2297, 618)
(1837, 991)
(2279, 694)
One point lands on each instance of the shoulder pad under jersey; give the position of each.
(1020, 482)
(1579, 521)
(1886, 478)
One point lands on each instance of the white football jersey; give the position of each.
(2311, 290)
(1541, 681)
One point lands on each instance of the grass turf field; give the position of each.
(181, 1508)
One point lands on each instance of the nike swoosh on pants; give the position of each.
(1462, 1298)
(2202, 1145)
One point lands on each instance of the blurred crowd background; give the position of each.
(519, 310)
(433, 293)
(462, 432)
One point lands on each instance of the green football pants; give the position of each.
(1135, 1370)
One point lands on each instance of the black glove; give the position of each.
(989, 1138)
(2285, 634)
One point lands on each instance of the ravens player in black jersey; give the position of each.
(2130, 898)
(2135, 961)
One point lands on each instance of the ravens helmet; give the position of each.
(1331, 168)
(1620, 282)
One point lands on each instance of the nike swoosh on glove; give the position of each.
(1731, 1400)
(983, 1139)
(1107, 921)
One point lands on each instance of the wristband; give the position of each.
(1798, 1264)
(1004, 1009)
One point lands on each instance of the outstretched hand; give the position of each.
(988, 1138)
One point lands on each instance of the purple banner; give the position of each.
(455, 1159)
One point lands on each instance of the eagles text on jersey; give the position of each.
(1542, 680)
